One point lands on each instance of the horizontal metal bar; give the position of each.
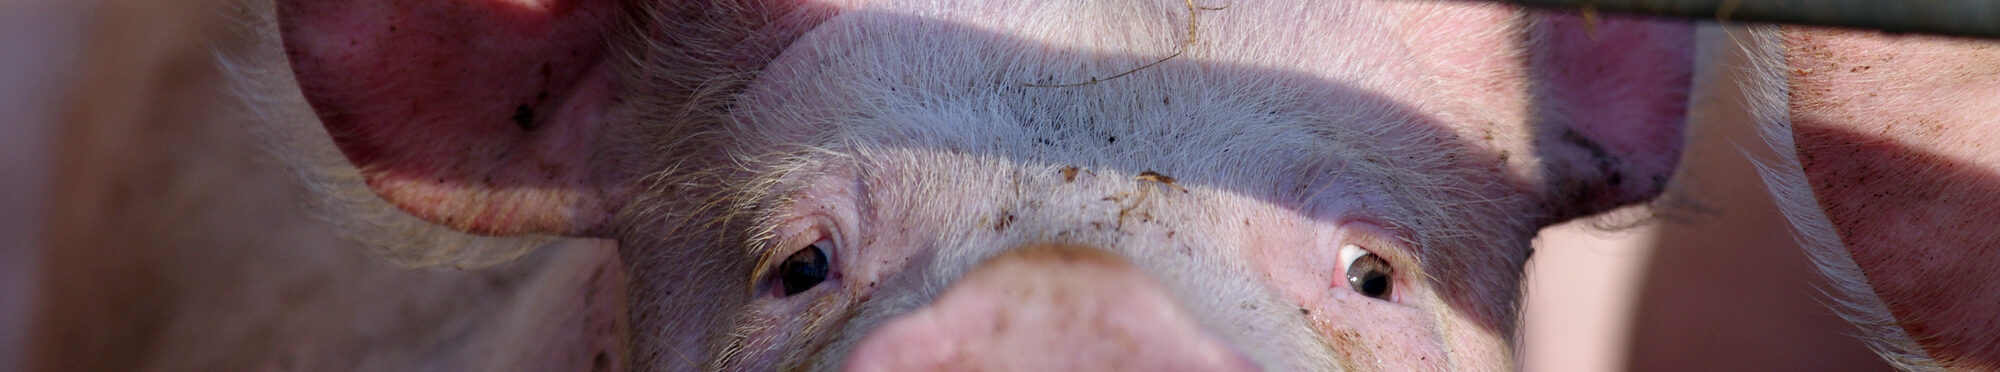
(1976, 18)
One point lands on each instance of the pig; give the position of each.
(1043, 184)
(915, 185)
(1880, 168)
(1873, 158)
(170, 242)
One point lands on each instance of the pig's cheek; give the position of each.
(776, 320)
(1397, 337)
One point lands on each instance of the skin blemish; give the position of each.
(524, 117)
(1598, 156)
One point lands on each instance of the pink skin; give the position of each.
(1389, 333)
(1004, 315)
(420, 162)
(1405, 333)
(1209, 196)
(1897, 136)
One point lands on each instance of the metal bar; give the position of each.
(1976, 18)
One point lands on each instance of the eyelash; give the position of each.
(807, 259)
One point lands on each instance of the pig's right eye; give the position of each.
(1367, 274)
(804, 270)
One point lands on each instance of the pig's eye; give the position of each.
(803, 270)
(1367, 273)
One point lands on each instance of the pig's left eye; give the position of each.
(804, 270)
(1367, 274)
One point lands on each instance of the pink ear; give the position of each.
(1613, 94)
(482, 115)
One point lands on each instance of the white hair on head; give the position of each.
(1768, 94)
(288, 129)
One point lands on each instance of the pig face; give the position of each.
(1028, 185)
(1250, 203)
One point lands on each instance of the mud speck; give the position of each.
(1004, 220)
(1161, 179)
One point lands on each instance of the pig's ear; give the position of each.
(484, 115)
(1612, 95)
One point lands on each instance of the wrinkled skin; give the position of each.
(1208, 224)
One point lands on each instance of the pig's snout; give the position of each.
(1048, 307)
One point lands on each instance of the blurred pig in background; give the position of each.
(146, 231)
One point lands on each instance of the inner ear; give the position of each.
(486, 116)
(1611, 95)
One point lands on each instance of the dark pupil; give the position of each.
(803, 270)
(1370, 276)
